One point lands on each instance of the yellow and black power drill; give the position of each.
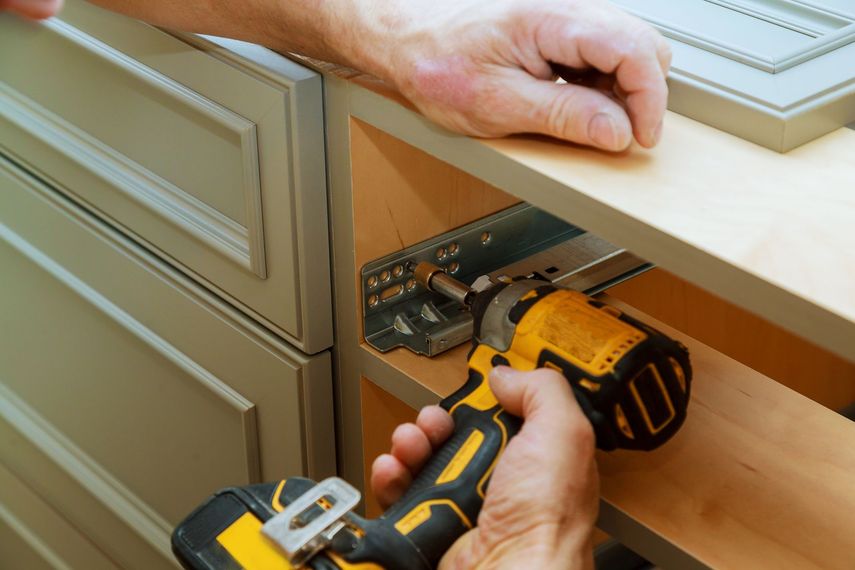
(631, 381)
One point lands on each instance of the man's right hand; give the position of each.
(479, 67)
(486, 67)
(542, 501)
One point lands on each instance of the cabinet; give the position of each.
(215, 162)
(166, 302)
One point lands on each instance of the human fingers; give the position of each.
(575, 113)
(33, 9)
(411, 446)
(544, 399)
(436, 423)
(390, 479)
(614, 42)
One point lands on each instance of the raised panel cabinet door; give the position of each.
(127, 392)
(212, 160)
(776, 72)
(34, 536)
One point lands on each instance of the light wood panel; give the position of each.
(381, 414)
(402, 196)
(759, 477)
(810, 370)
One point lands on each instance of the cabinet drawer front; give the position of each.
(35, 536)
(183, 150)
(135, 382)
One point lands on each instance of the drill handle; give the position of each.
(444, 501)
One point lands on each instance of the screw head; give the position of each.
(372, 281)
(486, 237)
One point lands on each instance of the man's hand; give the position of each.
(541, 504)
(486, 68)
(480, 67)
(33, 9)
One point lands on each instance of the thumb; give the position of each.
(542, 398)
(575, 113)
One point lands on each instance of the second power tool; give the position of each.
(631, 381)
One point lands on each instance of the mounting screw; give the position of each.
(441, 253)
(486, 237)
(384, 275)
(453, 267)
(397, 271)
(453, 249)
(372, 281)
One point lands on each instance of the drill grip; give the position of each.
(444, 501)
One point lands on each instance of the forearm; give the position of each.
(348, 32)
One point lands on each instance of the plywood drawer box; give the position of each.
(127, 392)
(214, 162)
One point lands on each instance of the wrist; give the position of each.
(542, 547)
(365, 34)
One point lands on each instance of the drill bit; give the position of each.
(435, 279)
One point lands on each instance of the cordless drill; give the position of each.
(631, 381)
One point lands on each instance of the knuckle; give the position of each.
(569, 114)
(581, 434)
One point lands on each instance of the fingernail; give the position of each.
(603, 131)
(503, 373)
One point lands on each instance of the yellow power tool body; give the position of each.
(631, 381)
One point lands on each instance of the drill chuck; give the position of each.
(435, 279)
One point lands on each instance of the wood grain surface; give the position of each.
(402, 196)
(795, 362)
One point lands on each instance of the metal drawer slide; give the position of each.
(521, 240)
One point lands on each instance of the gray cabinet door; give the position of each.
(128, 393)
(213, 161)
(776, 72)
(33, 536)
